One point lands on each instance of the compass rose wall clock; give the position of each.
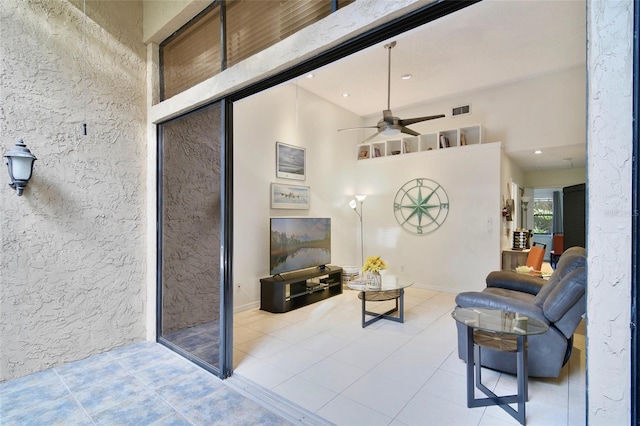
(421, 206)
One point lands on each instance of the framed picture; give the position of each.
(290, 161)
(284, 196)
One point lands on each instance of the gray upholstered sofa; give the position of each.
(559, 302)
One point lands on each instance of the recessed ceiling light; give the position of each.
(537, 151)
(406, 76)
(345, 95)
(310, 75)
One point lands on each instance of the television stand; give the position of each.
(284, 293)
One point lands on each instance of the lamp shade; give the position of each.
(390, 131)
(20, 165)
(352, 204)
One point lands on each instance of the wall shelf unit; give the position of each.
(403, 145)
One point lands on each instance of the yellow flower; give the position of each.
(374, 264)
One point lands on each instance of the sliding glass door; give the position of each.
(191, 235)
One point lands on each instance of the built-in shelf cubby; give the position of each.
(403, 145)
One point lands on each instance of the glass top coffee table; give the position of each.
(503, 331)
(390, 290)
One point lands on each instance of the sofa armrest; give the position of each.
(474, 299)
(510, 280)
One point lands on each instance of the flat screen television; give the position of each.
(299, 243)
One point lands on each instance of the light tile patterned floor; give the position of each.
(140, 384)
(320, 358)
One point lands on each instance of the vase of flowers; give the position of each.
(372, 268)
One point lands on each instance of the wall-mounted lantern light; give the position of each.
(20, 164)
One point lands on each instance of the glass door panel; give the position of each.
(189, 240)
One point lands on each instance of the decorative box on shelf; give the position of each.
(452, 138)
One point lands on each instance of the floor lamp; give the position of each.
(354, 206)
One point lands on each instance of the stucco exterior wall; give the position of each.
(609, 145)
(72, 248)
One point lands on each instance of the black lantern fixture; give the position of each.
(20, 164)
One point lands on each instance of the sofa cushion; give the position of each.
(565, 294)
(571, 259)
(513, 294)
(514, 281)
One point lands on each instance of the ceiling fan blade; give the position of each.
(358, 128)
(410, 121)
(409, 131)
(370, 137)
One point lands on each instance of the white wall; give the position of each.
(293, 116)
(458, 255)
(609, 205)
(538, 113)
(555, 178)
(72, 258)
(542, 112)
(273, 117)
(610, 25)
(510, 173)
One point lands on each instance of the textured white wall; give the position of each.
(609, 133)
(72, 248)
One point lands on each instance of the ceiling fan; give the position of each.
(391, 125)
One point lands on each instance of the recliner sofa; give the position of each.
(559, 302)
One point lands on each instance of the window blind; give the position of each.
(192, 55)
(254, 25)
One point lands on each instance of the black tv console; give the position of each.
(283, 293)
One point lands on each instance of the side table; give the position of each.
(504, 331)
(388, 291)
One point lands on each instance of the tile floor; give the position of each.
(318, 357)
(140, 384)
(389, 373)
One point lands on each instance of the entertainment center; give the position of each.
(280, 294)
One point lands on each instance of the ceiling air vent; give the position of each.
(461, 110)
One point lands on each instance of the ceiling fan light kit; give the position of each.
(391, 125)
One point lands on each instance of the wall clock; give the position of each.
(421, 206)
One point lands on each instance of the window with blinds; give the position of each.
(252, 26)
(193, 54)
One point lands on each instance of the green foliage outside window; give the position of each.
(542, 215)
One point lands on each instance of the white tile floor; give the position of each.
(389, 373)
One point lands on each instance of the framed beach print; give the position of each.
(285, 196)
(290, 161)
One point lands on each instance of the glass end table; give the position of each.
(503, 331)
(393, 290)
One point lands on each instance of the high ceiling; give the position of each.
(491, 43)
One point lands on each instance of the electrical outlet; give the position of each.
(401, 268)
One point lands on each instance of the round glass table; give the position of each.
(500, 330)
(391, 289)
